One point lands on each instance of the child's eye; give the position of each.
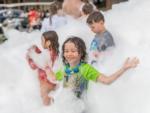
(65, 51)
(74, 51)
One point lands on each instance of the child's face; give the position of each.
(71, 54)
(45, 44)
(97, 27)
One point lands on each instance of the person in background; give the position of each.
(33, 19)
(56, 19)
(72, 7)
(86, 10)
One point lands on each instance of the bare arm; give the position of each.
(129, 63)
(50, 75)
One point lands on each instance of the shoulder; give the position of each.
(85, 65)
(89, 72)
(87, 68)
(107, 34)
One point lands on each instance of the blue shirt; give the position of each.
(102, 41)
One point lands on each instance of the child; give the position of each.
(33, 18)
(103, 38)
(49, 42)
(86, 10)
(87, 2)
(77, 73)
(56, 19)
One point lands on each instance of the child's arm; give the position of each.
(129, 63)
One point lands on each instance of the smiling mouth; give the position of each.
(69, 59)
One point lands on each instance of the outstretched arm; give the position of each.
(129, 63)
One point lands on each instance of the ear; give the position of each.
(48, 43)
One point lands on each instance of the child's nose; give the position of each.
(69, 53)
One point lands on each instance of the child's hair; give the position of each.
(58, 5)
(85, 1)
(53, 38)
(79, 44)
(95, 16)
(87, 8)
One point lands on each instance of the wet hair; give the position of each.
(79, 44)
(85, 1)
(95, 16)
(53, 38)
(87, 8)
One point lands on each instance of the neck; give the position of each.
(74, 64)
(102, 31)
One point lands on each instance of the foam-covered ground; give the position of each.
(129, 24)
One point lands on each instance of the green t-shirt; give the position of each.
(78, 82)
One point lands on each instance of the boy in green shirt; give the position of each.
(77, 73)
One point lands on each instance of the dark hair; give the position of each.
(95, 16)
(58, 5)
(87, 8)
(80, 45)
(85, 1)
(53, 38)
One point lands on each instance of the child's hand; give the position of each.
(131, 63)
(50, 75)
(53, 79)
